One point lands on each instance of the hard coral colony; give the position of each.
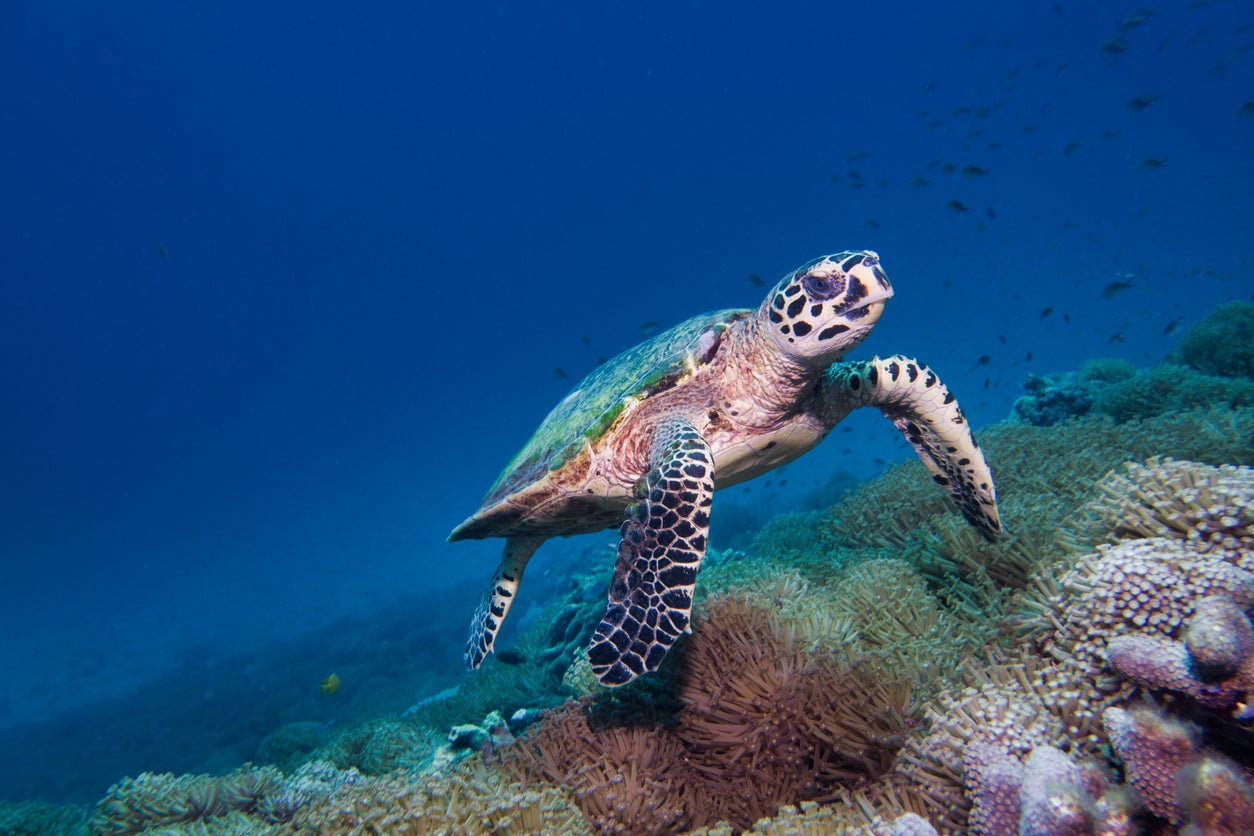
(867, 669)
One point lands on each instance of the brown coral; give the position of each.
(768, 722)
(626, 778)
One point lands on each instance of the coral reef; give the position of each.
(1222, 343)
(1212, 365)
(870, 669)
(150, 801)
(1213, 666)
(39, 818)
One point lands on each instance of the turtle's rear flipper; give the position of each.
(921, 407)
(486, 622)
(650, 600)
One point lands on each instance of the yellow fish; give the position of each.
(330, 685)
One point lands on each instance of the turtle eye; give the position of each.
(821, 288)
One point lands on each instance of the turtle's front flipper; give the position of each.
(486, 622)
(663, 542)
(913, 398)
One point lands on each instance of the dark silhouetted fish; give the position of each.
(957, 206)
(1246, 110)
(1138, 103)
(1113, 289)
(1112, 48)
(1136, 18)
(1150, 163)
(974, 171)
(755, 280)
(919, 182)
(1046, 311)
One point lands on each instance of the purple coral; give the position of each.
(1219, 801)
(912, 824)
(1153, 749)
(1053, 800)
(1214, 666)
(993, 780)
(1219, 637)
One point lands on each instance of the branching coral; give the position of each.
(1010, 706)
(768, 722)
(625, 778)
(1213, 665)
(1211, 506)
(1141, 587)
(151, 801)
(470, 799)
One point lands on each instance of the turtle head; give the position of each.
(827, 306)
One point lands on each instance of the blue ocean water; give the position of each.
(285, 285)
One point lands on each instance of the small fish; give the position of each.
(919, 182)
(1113, 289)
(988, 381)
(1046, 311)
(586, 339)
(932, 124)
(1115, 339)
(559, 373)
(957, 206)
(1138, 103)
(1108, 135)
(162, 251)
(871, 223)
(853, 174)
(835, 178)
(1136, 18)
(993, 146)
(1029, 128)
(1171, 326)
(649, 327)
(330, 685)
(1028, 357)
(1112, 48)
(857, 155)
(984, 360)
(1246, 111)
(949, 168)
(989, 213)
(974, 171)
(755, 280)
(1150, 163)
(1001, 338)
(1071, 147)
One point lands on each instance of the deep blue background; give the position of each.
(285, 284)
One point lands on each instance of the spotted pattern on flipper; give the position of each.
(487, 620)
(927, 414)
(663, 542)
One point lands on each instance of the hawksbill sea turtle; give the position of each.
(645, 440)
